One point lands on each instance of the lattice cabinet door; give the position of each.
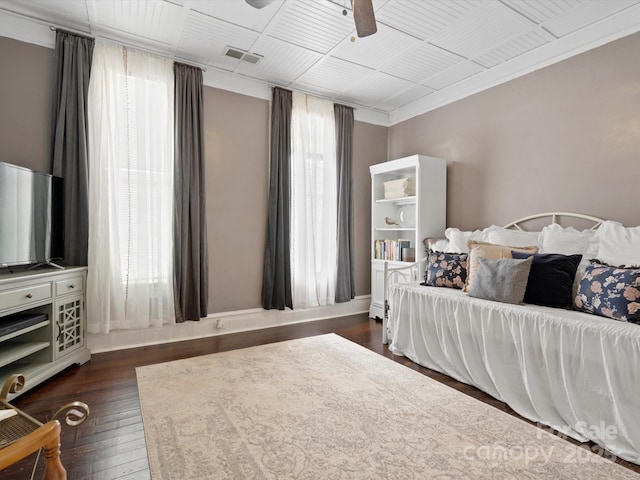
(69, 326)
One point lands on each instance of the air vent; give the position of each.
(242, 55)
(230, 52)
(251, 58)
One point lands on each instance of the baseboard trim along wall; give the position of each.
(221, 324)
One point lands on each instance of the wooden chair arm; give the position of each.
(47, 437)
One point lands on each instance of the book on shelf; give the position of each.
(390, 249)
(406, 252)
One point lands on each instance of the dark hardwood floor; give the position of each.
(111, 445)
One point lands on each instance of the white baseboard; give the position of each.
(221, 324)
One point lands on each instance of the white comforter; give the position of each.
(576, 372)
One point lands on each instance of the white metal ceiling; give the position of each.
(422, 47)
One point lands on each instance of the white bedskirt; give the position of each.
(575, 372)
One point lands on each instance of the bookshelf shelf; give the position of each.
(396, 229)
(398, 201)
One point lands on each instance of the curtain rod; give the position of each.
(70, 30)
(312, 94)
(128, 45)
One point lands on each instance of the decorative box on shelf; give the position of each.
(403, 187)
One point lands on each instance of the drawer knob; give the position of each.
(72, 285)
(29, 295)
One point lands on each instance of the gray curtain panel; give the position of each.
(69, 157)
(345, 281)
(191, 265)
(276, 275)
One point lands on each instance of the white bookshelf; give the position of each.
(412, 217)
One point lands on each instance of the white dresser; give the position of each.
(42, 322)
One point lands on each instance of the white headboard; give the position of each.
(516, 225)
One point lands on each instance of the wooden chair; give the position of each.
(46, 437)
(22, 435)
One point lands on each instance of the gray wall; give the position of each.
(237, 168)
(370, 147)
(236, 149)
(566, 137)
(26, 92)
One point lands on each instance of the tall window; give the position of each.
(313, 202)
(130, 121)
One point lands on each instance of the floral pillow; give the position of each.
(446, 269)
(610, 292)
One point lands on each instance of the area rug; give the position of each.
(326, 408)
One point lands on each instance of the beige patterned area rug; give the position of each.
(326, 408)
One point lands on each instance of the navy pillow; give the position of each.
(550, 279)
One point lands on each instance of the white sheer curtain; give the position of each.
(130, 117)
(313, 202)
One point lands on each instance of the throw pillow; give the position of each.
(551, 278)
(502, 280)
(436, 244)
(618, 245)
(610, 292)
(517, 238)
(446, 269)
(569, 241)
(458, 239)
(488, 250)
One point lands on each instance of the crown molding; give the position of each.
(26, 29)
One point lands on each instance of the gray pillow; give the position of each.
(501, 280)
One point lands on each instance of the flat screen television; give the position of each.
(31, 217)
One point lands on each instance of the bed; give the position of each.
(575, 372)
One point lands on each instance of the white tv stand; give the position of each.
(56, 339)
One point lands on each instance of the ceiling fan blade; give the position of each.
(259, 3)
(364, 18)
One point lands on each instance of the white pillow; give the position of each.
(458, 239)
(439, 245)
(569, 241)
(618, 245)
(514, 238)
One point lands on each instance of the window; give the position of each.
(130, 282)
(313, 202)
